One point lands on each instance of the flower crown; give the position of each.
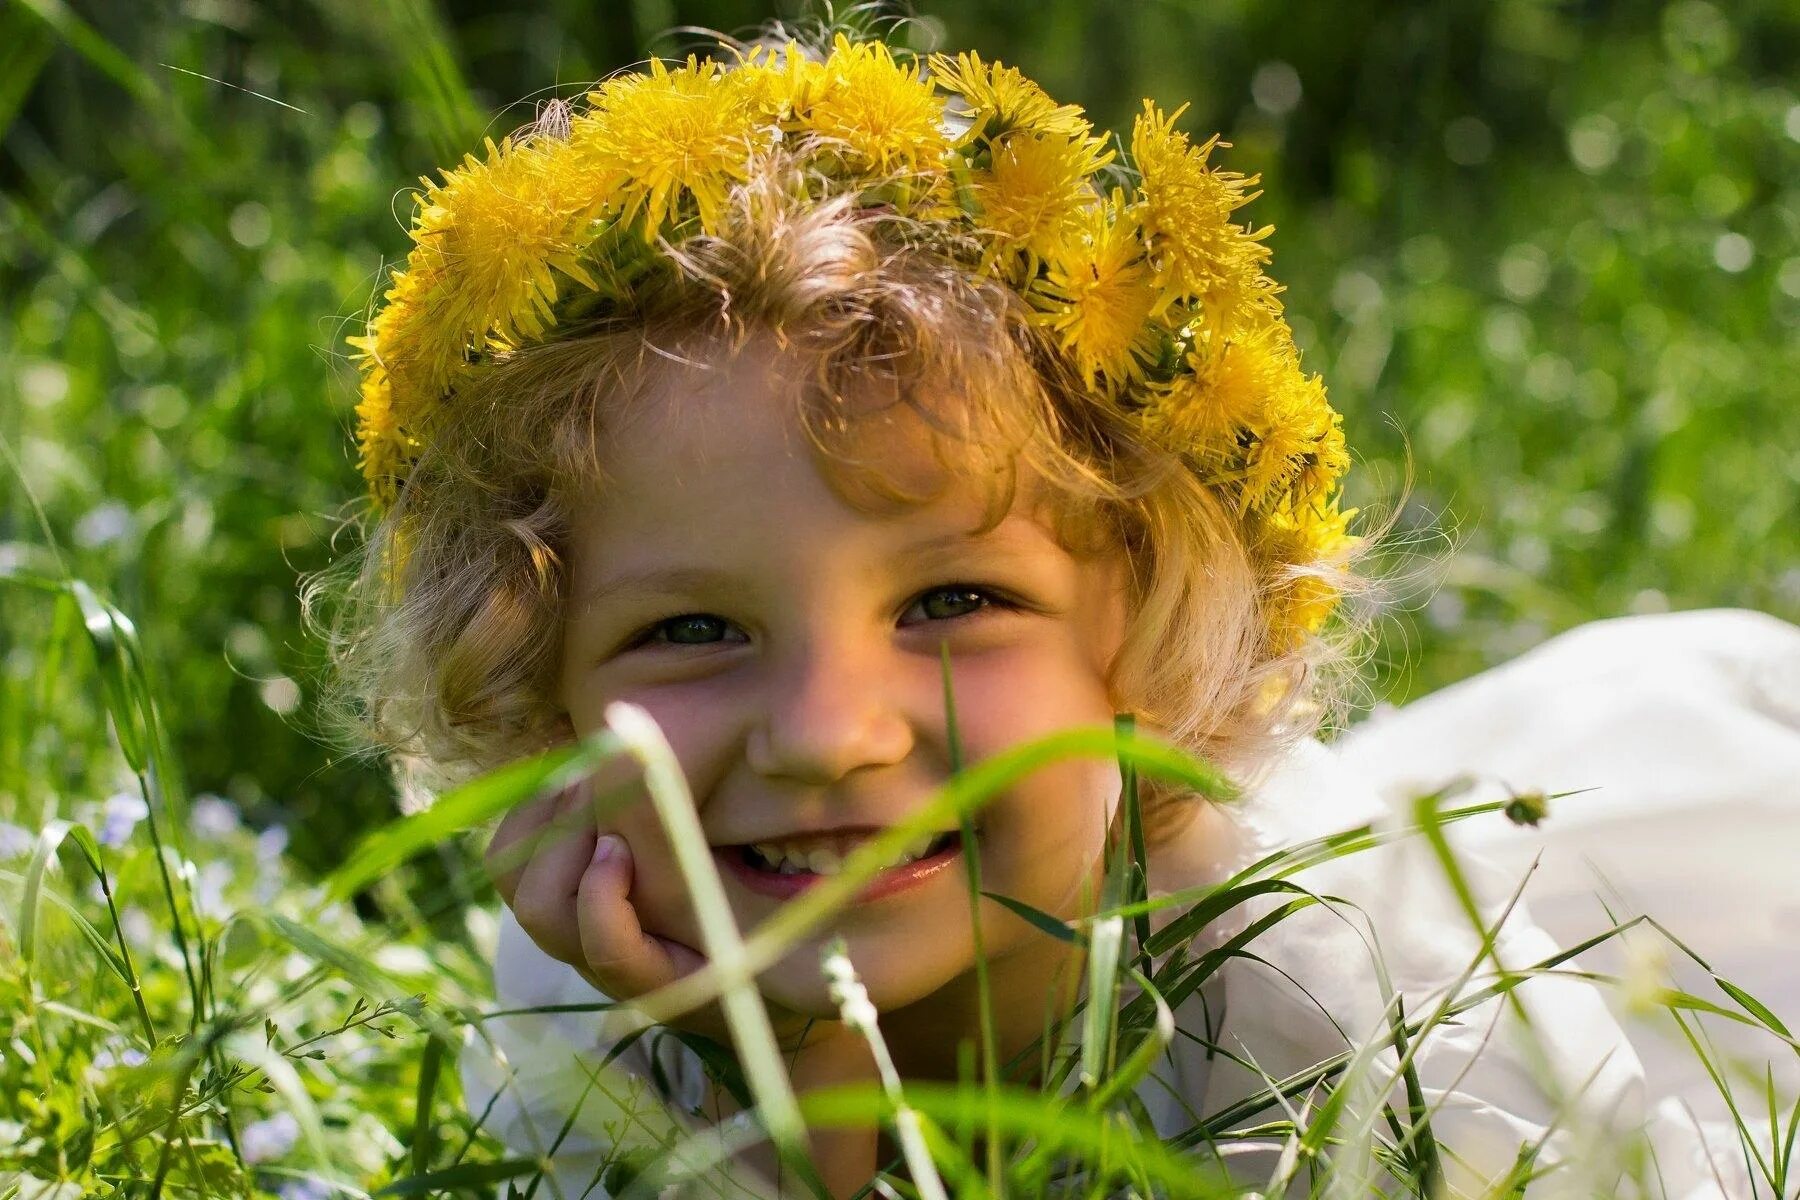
(1154, 296)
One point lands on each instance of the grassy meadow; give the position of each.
(1546, 256)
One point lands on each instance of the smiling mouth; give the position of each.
(787, 859)
(784, 870)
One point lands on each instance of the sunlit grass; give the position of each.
(184, 1014)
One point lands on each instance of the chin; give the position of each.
(894, 976)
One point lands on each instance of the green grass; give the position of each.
(184, 1013)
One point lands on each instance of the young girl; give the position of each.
(751, 396)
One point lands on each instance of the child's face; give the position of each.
(791, 656)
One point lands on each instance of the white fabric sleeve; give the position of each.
(528, 1073)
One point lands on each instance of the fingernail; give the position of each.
(607, 847)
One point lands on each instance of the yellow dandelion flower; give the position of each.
(1209, 409)
(1325, 462)
(392, 342)
(1187, 206)
(1003, 100)
(650, 140)
(1035, 190)
(776, 87)
(881, 117)
(1299, 447)
(383, 450)
(487, 239)
(1291, 541)
(1097, 296)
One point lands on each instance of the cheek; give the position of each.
(692, 718)
(657, 891)
(1038, 688)
(1045, 837)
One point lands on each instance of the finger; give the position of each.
(546, 896)
(622, 958)
(525, 828)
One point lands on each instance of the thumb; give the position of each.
(625, 960)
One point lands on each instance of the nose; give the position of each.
(826, 713)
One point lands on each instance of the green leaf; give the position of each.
(42, 856)
(1753, 1006)
(424, 1143)
(463, 1177)
(106, 628)
(1039, 919)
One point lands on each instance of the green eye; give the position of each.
(690, 629)
(966, 599)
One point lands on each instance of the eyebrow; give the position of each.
(665, 579)
(660, 580)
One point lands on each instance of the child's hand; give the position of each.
(569, 886)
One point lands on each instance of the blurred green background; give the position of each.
(1551, 250)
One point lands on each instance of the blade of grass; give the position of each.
(1126, 723)
(424, 1133)
(86, 41)
(1097, 1027)
(1023, 1114)
(381, 851)
(43, 856)
(25, 46)
(742, 1004)
(990, 1065)
(852, 1000)
(127, 970)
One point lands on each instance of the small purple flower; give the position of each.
(209, 890)
(107, 523)
(305, 1189)
(270, 1139)
(119, 816)
(130, 1056)
(213, 816)
(139, 928)
(16, 841)
(271, 843)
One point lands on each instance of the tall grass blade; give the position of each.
(1025, 1114)
(424, 1131)
(122, 963)
(25, 45)
(990, 1053)
(744, 1012)
(86, 41)
(852, 999)
(43, 856)
(1103, 984)
(465, 807)
(106, 635)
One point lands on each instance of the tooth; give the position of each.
(789, 867)
(824, 861)
(919, 845)
(767, 852)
